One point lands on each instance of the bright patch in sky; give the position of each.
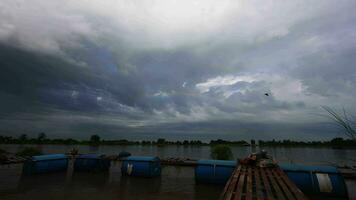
(222, 81)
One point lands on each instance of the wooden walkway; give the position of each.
(250, 182)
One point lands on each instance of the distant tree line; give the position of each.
(336, 142)
(96, 140)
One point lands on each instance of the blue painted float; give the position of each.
(321, 181)
(45, 164)
(143, 166)
(91, 162)
(214, 171)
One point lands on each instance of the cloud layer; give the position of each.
(176, 69)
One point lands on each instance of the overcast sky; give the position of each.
(179, 69)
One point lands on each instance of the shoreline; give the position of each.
(193, 145)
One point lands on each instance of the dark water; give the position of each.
(175, 182)
(306, 155)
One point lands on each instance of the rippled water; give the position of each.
(175, 182)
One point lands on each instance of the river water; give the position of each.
(305, 155)
(174, 183)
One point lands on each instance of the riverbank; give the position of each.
(95, 140)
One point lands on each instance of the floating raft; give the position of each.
(179, 162)
(91, 162)
(144, 166)
(251, 182)
(45, 164)
(348, 172)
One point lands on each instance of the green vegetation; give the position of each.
(41, 138)
(336, 142)
(29, 151)
(23, 138)
(96, 140)
(221, 152)
(220, 141)
(161, 142)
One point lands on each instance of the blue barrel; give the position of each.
(45, 164)
(321, 181)
(91, 162)
(144, 166)
(214, 171)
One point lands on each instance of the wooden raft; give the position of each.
(251, 182)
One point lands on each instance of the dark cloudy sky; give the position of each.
(179, 69)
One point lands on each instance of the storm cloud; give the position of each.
(176, 69)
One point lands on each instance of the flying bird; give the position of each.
(266, 94)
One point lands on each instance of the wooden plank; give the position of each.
(231, 185)
(227, 186)
(269, 183)
(249, 190)
(259, 193)
(275, 186)
(266, 185)
(293, 188)
(284, 187)
(239, 189)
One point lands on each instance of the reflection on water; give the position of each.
(174, 183)
(10, 176)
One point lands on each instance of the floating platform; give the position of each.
(91, 162)
(348, 172)
(141, 166)
(46, 164)
(317, 181)
(251, 182)
(179, 162)
(214, 171)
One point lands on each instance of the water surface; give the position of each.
(175, 183)
(306, 155)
